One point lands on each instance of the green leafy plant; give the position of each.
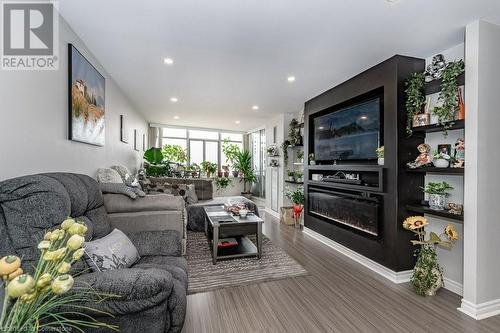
(222, 182)
(174, 153)
(291, 173)
(244, 165)
(155, 165)
(284, 147)
(294, 132)
(311, 157)
(231, 151)
(300, 154)
(209, 168)
(449, 94)
(46, 300)
(298, 175)
(441, 188)
(153, 156)
(296, 196)
(380, 152)
(415, 98)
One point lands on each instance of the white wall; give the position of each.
(34, 121)
(481, 227)
(450, 260)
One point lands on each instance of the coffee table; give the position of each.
(221, 224)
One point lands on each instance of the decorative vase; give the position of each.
(297, 211)
(235, 173)
(441, 163)
(427, 276)
(312, 162)
(380, 161)
(437, 201)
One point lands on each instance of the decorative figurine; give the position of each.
(459, 153)
(435, 69)
(423, 159)
(454, 208)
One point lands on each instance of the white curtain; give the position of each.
(155, 137)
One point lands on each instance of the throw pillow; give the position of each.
(126, 175)
(113, 251)
(191, 194)
(119, 189)
(108, 175)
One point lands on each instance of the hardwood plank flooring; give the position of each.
(338, 295)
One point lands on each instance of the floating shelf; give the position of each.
(441, 213)
(293, 182)
(295, 146)
(442, 171)
(434, 86)
(457, 124)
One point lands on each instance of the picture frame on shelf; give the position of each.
(444, 149)
(421, 119)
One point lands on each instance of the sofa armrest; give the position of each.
(119, 203)
(157, 243)
(133, 289)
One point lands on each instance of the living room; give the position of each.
(254, 166)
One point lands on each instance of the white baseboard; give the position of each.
(482, 310)
(272, 212)
(453, 286)
(396, 277)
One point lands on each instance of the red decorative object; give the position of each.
(297, 211)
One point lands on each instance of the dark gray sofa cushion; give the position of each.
(44, 201)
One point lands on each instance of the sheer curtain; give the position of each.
(155, 137)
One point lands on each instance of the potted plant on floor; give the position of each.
(155, 164)
(231, 151)
(244, 165)
(297, 198)
(438, 193)
(427, 275)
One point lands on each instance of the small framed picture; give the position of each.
(421, 119)
(136, 141)
(123, 130)
(143, 142)
(444, 149)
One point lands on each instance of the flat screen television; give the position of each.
(351, 133)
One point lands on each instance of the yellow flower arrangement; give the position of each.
(415, 222)
(451, 232)
(30, 298)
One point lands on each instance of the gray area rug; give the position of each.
(204, 276)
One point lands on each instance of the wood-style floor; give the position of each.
(338, 295)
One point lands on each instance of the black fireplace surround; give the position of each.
(366, 216)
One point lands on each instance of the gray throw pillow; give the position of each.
(113, 251)
(108, 175)
(119, 189)
(126, 175)
(191, 194)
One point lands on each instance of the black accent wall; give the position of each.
(392, 247)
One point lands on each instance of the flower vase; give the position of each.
(441, 163)
(427, 276)
(380, 161)
(297, 211)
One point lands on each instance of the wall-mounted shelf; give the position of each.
(293, 182)
(434, 86)
(456, 124)
(358, 167)
(442, 171)
(441, 213)
(295, 146)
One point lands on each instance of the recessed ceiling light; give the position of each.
(176, 117)
(364, 117)
(168, 61)
(174, 99)
(237, 122)
(291, 78)
(255, 107)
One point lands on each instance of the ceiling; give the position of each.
(232, 54)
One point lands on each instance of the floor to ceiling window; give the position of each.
(257, 141)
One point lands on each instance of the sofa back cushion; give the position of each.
(30, 205)
(204, 188)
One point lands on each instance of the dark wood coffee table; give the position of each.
(221, 224)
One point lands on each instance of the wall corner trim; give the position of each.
(271, 212)
(481, 310)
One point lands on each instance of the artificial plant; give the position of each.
(441, 188)
(415, 98)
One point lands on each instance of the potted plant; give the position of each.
(297, 198)
(291, 175)
(174, 153)
(208, 168)
(46, 300)
(284, 147)
(222, 182)
(299, 177)
(154, 164)
(244, 165)
(195, 170)
(294, 133)
(226, 170)
(441, 160)
(380, 155)
(438, 193)
(415, 99)
(427, 275)
(300, 156)
(231, 151)
(312, 160)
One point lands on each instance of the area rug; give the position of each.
(204, 276)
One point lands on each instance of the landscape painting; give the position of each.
(86, 100)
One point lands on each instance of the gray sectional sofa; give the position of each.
(153, 290)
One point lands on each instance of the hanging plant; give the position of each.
(449, 94)
(294, 133)
(415, 98)
(284, 147)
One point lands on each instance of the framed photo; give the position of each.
(143, 142)
(123, 130)
(86, 87)
(445, 149)
(421, 119)
(136, 141)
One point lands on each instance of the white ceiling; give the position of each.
(232, 54)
